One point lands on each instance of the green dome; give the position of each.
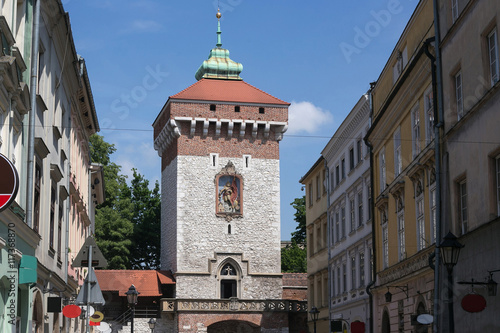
(219, 65)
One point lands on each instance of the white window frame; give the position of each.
(433, 216)
(401, 228)
(429, 115)
(359, 150)
(214, 160)
(361, 269)
(353, 272)
(339, 284)
(464, 220)
(337, 224)
(352, 213)
(360, 208)
(385, 240)
(247, 162)
(398, 163)
(342, 218)
(419, 205)
(459, 95)
(493, 56)
(383, 170)
(415, 133)
(318, 187)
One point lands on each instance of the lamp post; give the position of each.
(450, 250)
(132, 295)
(314, 313)
(152, 323)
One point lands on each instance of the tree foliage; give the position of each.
(127, 223)
(294, 256)
(299, 235)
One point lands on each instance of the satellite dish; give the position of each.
(425, 319)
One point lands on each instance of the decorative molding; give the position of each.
(409, 266)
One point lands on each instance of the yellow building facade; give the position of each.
(404, 181)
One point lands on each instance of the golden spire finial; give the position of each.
(218, 14)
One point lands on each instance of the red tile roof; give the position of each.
(226, 91)
(147, 282)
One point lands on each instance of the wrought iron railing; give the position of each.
(231, 305)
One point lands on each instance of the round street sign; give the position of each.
(9, 182)
(425, 319)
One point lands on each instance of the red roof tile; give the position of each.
(147, 282)
(226, 91)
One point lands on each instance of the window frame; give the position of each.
(429, 114)
(459, 99)
(385, 239)
(415, 130)
(400, 213)
(383, 170)
(398, 163)
(493, 58)
(462, 206)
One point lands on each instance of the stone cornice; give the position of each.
(171, 130)
(416, 263)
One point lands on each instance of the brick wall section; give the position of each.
(295, 286)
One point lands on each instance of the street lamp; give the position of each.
(450, 250)
(314, 313)
(152, 323)
(132, 295)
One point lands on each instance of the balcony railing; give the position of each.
(170, 305)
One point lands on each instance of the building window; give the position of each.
(429, 115)
(399, 65)
(385, 241)
(343, 168)
(236, 108)
(342, 214)
(360, 209)
(214, 160)
(419, 202)
(370, 203)
(454, 10)
(59, 230)
(337, 225)
(212, 107)
(344, 278)
(333, 283)
(432, 198)
(228, 284)
(311, 242)
(361, 269)
(247, 159)
(401, 228)
(359, 148)
(332, 181)
(353, 215)
(497, 167)
(261, 110)
(310, 194)
(318, 187)
(52, 216)
(353, 273)
(351, 158)
(337, 174)
(459, 96)
(463, 206)
(398, 162)
(324, 183)
(383, 181)
(493, 56)
(415, 119)
(339, 286)
(36, 203)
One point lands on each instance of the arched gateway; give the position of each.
(233, 326)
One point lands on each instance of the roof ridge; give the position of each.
(262, 91)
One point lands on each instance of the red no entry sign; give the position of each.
(9, 182)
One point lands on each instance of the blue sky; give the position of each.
(318, 55)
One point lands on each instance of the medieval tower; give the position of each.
(219, 145)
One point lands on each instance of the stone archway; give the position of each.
(233, 326)
(37, 319)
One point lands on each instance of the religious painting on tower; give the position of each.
(229, 196)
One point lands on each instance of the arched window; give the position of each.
(228, 281)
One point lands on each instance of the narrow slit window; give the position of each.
(229, 229)
(212, 107)
(261, 110)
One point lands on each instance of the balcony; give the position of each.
(170, 305)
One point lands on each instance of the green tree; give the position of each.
(294, 256)
(294, 259)
(146, 219)
(113, 226)
(299, 235)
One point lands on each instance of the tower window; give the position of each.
(261, 110)
(212, 107)
(237, 108)
(229, 229)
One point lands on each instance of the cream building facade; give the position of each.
(314, 182)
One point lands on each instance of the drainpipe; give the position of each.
(437, 90)
(328, 240)
(31, 132)
(372, 207)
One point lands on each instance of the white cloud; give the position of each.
(306, 117)
(144, 26)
